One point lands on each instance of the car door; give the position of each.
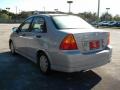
(22, 36)
(37, 40)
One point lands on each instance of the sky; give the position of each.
(78, 6)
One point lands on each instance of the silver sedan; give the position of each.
(61, 42)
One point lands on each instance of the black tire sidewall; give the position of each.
(48, 69)
(12, 45)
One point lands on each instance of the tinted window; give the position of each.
(70, 22)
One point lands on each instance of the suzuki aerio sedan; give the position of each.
(61, 42)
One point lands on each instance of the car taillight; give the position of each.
(68, 43)
(108, 42)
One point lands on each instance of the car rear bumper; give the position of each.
(75, 61)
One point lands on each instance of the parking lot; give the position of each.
(18, 73)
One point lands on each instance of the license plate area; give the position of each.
(94, 44)
(90, 45)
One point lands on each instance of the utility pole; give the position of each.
(16, 10)
(69, 2)
(16, 14)
(98, 13)
(8, 13)
(44, 9)
(107, 14)
(107, 9)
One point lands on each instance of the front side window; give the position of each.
(26, 25)
(38, 24)
(70, 22)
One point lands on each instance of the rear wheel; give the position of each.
(44, 64)
(12, 48)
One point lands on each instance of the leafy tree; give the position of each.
(23, 15)
(88, 16)
(106, 17)
(4, 16)
(116, 18)
(4, 11)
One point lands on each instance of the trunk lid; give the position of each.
(89, 40)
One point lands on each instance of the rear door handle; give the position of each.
(23, 34)
(38, 36)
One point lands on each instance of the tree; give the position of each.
(106, 17)
(23, 15)
(116, 18)
(4, 16)
(88, 16)
(4, 11)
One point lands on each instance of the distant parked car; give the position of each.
(103, 23)
(61, 42)
(115, 24)
(110, 23)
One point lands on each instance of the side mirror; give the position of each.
(15, 29)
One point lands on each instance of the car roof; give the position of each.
(49, 15)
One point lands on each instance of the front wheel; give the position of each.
(12, 48)
(44, 64)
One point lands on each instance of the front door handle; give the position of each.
(38, 36)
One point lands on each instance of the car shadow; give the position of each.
(18, 73)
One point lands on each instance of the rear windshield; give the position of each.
(70, 22)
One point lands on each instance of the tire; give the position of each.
(44, 63)
(12, 48)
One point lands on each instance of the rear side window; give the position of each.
(39, 24)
